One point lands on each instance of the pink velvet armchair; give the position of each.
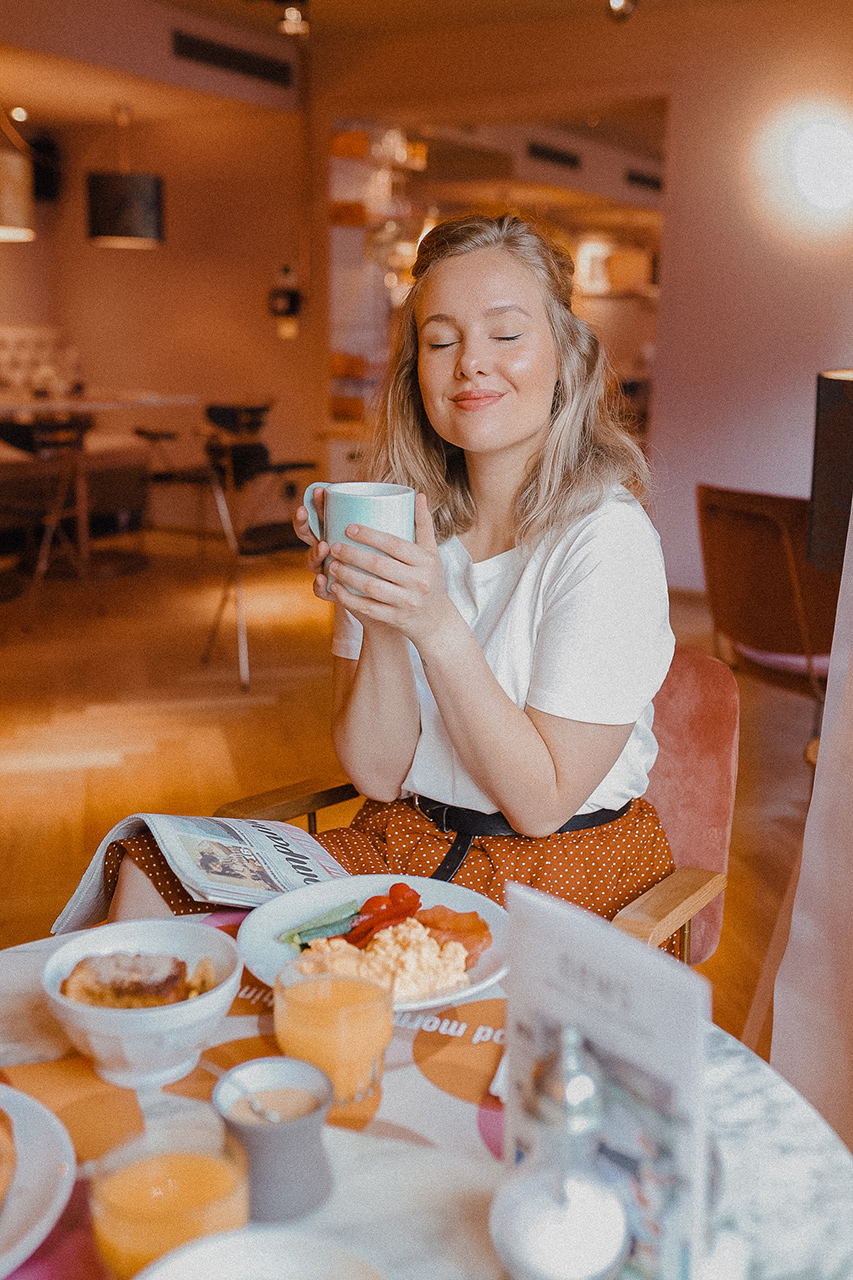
(692, 785)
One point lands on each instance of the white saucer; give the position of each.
(260, 1253)
(44, 1177)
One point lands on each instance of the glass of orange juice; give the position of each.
(164, 1189)
(343, 1025)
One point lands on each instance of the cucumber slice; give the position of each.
(327, 930)
(345, 911)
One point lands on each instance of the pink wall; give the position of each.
(191, 315)
(750, 311)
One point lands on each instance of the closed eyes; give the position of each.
(498, 337)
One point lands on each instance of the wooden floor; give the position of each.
(109, 712)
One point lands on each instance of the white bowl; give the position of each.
(136, 1047)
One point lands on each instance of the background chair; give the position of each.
(234, 457)
(44, 493)
(692, 784)
(773, 612)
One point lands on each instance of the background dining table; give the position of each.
(18, 407)
(412, 1191)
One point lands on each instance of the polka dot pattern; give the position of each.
(145, 852)
(602, 868)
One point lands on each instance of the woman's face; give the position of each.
(487, 362)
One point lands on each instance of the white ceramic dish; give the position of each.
(44, 1178)
(264, 954)
(146, 1047)
(260, 1253)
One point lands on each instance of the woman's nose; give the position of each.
(471, 360)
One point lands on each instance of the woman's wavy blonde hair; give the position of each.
(587, 450)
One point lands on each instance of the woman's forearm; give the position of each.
(537, 769)
(376, 719)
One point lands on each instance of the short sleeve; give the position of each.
(604, 644)
(346, 638)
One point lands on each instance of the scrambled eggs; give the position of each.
(405, 955)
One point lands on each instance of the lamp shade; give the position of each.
(125, 210)
(832, 470)
(17, 211)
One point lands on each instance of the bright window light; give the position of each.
(805, 165)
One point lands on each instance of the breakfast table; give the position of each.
(412, 1190)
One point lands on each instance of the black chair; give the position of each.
(45, 493)
(234, 457)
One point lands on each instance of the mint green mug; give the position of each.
(389, 508)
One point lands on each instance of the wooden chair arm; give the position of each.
(284, 803)
(669, 905)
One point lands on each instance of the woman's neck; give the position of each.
(494, 488)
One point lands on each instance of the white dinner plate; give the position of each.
(260, 1253)
(261, 950)
(44, 1177)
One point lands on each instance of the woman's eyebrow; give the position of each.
(440, 318)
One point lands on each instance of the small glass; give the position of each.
(170, 1186)
(343, 1026)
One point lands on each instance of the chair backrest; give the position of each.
(762, 591)
(238, 419)
(692, 783)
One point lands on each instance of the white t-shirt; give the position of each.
(578, 628)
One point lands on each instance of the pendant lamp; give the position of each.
(17, 207)
(125, 209)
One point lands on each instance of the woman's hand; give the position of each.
(318, 550)
(400, 583)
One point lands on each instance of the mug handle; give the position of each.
(313, 513)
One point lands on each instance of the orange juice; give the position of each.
(343, 1026)
(142, 1210)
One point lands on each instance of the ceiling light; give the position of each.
(19, 114)
(293, 23)
(620, 9)
(804, 162)
(17, 212)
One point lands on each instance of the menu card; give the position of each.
(643, 1017)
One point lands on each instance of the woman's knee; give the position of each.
(135, 896)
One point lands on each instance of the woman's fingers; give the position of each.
(321, 587)
(302, 527)
(424, 527)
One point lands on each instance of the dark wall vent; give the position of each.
(648, 180)
(553, 155)
(228, 58)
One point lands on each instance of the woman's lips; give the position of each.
(473, 400)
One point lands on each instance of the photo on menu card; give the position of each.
(643, 1018)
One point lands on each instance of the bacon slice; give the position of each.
(466, 927)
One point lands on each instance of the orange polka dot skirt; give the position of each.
(145, 852)
(602, 868)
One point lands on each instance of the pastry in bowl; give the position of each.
(8, 1155)
(123, 981)
(130, 1005)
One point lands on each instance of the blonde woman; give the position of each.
(494, 679)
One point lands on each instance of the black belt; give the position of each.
(469, 823)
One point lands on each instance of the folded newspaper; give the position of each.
(237, 862)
